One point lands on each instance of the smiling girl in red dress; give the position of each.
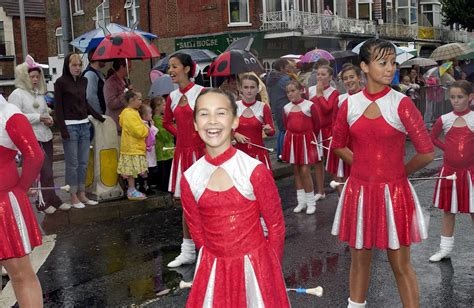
(378, 207)
(301, 121)
(351, 77)
(455, 196)
(178, 120)
(254, 116)
(224, 194)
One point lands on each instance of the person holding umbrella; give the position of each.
(114, 90)
(178, 120)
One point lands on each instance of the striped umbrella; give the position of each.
(423, 62)
(450, 51)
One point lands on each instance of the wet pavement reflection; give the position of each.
(122, 263)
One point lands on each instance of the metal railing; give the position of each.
(432, 102)
(314, 23)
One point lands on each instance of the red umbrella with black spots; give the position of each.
(233, 62)
(125, 45)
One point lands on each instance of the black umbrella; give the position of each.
(198, 56)
(243, 43)
(343, 54)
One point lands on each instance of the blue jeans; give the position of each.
(76, 155)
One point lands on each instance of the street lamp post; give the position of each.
(24, 42)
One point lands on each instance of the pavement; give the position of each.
(123, 208)
(122, 262)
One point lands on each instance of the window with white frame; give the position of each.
(78, 6)
(431, 12)
(132, 9)
(59, 41)
(102, 14)
(364, 9)
(239, 12)
(408, 11)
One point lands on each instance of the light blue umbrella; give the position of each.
(92, 39)
(402, 55)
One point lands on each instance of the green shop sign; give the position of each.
(218, 43)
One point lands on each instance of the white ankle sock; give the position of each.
(310, 199)
(352, 304)
(300, 196)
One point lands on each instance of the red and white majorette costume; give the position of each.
(378, 206)
(252, 116)
(325, 106)
(19, 231)
(189, 146)
(335, 165)
(237, 266)
(455, 196)
(301, 122)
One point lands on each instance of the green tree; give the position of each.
(458, 11)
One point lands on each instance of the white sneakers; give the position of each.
(78, 205)
(90, 202)
(310, 203)
(299, 208)
(49, 210)
(187, 255)
(65, 207)
(445, 247)
(319, 196)
(305, 201)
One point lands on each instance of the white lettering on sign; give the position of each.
(197, 43)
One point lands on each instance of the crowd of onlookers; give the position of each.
(80, 94)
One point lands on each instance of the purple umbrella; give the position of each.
(316, 54)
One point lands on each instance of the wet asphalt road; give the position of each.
(122, 263)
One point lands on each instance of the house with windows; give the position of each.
(11, 52)
(278, 26)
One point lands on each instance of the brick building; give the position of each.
(11, 52)
(279, 26)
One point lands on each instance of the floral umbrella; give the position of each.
(316, 54)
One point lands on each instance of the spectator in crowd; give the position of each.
(72, 110)
(29, 98)
(409, 88)
(276, 82)
(328, 11)
(416, 76)
(305, 74)
(448, 78)
(164, 146)
(95, 84)
(114, 90)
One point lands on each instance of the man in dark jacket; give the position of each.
(276, 82)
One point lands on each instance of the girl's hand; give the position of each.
(32, 192)
(319, 89)
(267, 128)
(241, 138)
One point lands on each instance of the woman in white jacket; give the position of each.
(29, 98)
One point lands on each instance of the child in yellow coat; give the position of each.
(132, 161)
